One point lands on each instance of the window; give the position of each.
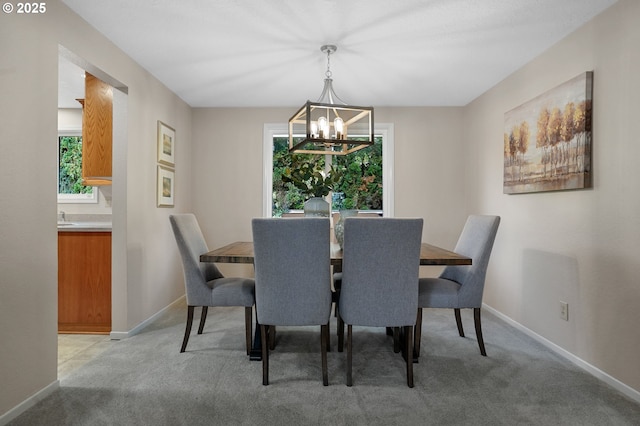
(70, 187)
(367, 184)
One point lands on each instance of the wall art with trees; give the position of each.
(547, 140)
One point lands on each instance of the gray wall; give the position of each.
(575, 246)
(228, 169)
(147, 274)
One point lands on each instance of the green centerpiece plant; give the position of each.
(307, 173)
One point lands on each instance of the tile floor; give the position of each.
(74, 350)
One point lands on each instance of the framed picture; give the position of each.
(166, 144)
(547, 140)
(166, 186)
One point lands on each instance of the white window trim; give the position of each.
(275, 129)
(91, 198)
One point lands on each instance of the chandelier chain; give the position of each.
(328, 72)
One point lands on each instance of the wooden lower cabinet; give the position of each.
(84, 282)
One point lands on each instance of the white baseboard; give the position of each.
(596, 372)
(119, 335)
(29, 402)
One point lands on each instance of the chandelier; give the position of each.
(329, 125)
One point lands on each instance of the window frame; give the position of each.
(271, 130)
(90, 198)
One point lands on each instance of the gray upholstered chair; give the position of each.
(205, 285)
(460, 287)
(380, 265)
(337, 270)
(292, 262)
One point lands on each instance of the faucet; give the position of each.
(62, 216)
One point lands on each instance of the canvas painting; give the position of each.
(547, 141)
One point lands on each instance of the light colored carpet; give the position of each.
(144, 380)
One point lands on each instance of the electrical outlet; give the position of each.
(564, 310)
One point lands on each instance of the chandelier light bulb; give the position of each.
(338, 125)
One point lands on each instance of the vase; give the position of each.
(339, 226)
(316, 207)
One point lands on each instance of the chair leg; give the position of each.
(340, 333)
(417, 334)
(349, 356)
(187, 331)
(203, 318)
(396, 339)
(328, 342)
(248, 326)
(265, 354)
(476, 320)
(459, 322)
(324, 339)
(272, 337)
(408, 332)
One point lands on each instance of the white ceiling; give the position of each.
(257, 53)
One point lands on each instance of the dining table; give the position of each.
(242, 252)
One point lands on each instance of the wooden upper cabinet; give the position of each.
(97, 131)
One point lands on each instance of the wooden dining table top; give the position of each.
(242, 252)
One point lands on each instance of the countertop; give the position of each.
(84, 226)
(84, 223)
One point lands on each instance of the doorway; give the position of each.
(75, 349)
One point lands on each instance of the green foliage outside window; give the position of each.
(359, 188)
(70, 166)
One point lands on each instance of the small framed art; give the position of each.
(166, 186)
(166, 144)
